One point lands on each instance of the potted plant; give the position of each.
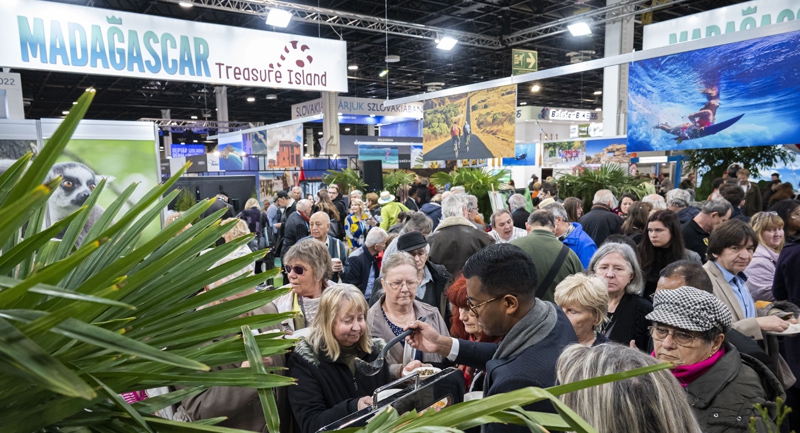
(588, 181)
(347, 179)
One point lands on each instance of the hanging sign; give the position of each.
(66, 38)
(364, 106)
(524, 61)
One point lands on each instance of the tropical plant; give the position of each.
(81, 325)
(476, 181)
(347, 179)
(501, 408)
(393, 180)
(185, 200)
(588, 181)
(711, 163)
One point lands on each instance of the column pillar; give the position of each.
(221, 93)
(167, 136)
(619, 40)
(371, 130)
(309, 142)
(330, 123)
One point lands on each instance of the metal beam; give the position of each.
(184, 124)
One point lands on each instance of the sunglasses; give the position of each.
(298, 270)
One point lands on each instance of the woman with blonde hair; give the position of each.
(584, 299)
(357, 224)
(652, 403)
(761, 270)
(329, 387)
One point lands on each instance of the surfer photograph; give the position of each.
(699, 121)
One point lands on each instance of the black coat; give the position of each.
(423, 195)
(520, 217)
(326, 390)
(535, 366)
(217, 205)
(601, 223)
(296, 228)
(359, 264)
(786, 286)
(629, 322)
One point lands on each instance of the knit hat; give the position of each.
(690, 309)
(411, 241)
(385, 198)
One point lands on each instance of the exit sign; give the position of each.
(524, 61)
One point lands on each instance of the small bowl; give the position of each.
(425, 372)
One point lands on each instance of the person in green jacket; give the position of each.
(389, 210)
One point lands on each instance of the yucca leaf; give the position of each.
(209, 332)
(74, 296)
(26, 248)
(168, 426)
(595, 381)
(266, 396)
(13, 173)
(155, 404)
(39, 367)
(239, 377)
(13, 215)
(110, 213)
(68, 241)
(40, 166)
(122, 404)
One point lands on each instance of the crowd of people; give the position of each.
(545, 297)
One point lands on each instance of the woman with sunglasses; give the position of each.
(399, 306)
(721, 384)
(761, 270)
(309, 269)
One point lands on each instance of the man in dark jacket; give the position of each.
(518, 212)
(733, 193)
(341, 207)
(423, 194)
(362, 263)
(456, 238)
(752, 196)
(296, 226)
(501, 292)
(678, 201)
(433, 209)
(600, 222)
(786, 286)
(221, 202)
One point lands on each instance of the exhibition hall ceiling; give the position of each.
(494, 27)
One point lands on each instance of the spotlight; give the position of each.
(579, 29)
(383, 73)
(598, 109)
(599, 92)
(65, 112)
(251, 99)
(535, 88)
(186, 4)
(352, 67)
(194, 117)
(279, 17)
(446, 43)
(523, 103)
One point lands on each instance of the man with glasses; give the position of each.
(501, 292)
(318, 226)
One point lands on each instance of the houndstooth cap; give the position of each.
(690, 309)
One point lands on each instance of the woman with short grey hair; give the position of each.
(652, 403)
(617, 265)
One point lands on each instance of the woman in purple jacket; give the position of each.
(761, 270)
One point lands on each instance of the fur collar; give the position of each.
(454, 221)
(305, 351)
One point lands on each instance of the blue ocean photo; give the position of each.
(524, 154)
(386, 154)
(734, 95)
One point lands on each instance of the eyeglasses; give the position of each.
(681, 338)
(298, 270)
(474, 308)
(397, 285)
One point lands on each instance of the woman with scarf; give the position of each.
(722, 385)
(662, 245)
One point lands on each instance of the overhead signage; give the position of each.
(365, 106)
(739, 17)
(524, 61)
(550, 113)
(66, 38)
(183, 150)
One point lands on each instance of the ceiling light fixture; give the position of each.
(194, 117)
(599, 92)
(65, 112)
(579, 29)
(346, 129)
(392, 58)
(446, 43)
(535, 88)
(279, 17)
(185, 4)
(383, 73)
(272, 96)
(598, 109)
(251, 99)
(352, 68)
(319, 133)
(75, 103)
(523, 103)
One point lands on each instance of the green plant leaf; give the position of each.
(12, 174)
(266, 396)
(71, 235)
(155, 404)
(122, 404)
(169, 426)
(25, 249)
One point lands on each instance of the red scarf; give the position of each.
(686, 374)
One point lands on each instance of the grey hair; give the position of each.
(418, 222)
(356, 193)
(558, 211)
(315, 254)
(656, 201)
(297, 188)
(397, 259)
(473, 201)
(454, 205)
(458, 190)
(305, 205)
(494, 216)
(637, 283)
(719, 205)
(678, 197)
(604, 196)
(375, 236)
(516, 201)
(636, 404)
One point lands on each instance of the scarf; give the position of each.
(533, 328)
(686, 374)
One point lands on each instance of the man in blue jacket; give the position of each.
(572, 234)
(501, 292)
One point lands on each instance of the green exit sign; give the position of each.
(524, 61)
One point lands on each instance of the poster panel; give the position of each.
(525, 154)
(388, 155)
(474, 125)
(607, 151)
(732, 95)
(284, 146)
(231, 153)
(88, 40)
(563, 153)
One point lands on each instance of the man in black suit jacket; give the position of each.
(296, 226)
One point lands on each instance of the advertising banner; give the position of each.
(525, 154)
(231, 154)
(65, 38)
(563, 153)
(607, 151)
(732, 95)
(365, 106)
(470, 125)
(283, 146)
(736, 18)
(388, 155)
(181, 150)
